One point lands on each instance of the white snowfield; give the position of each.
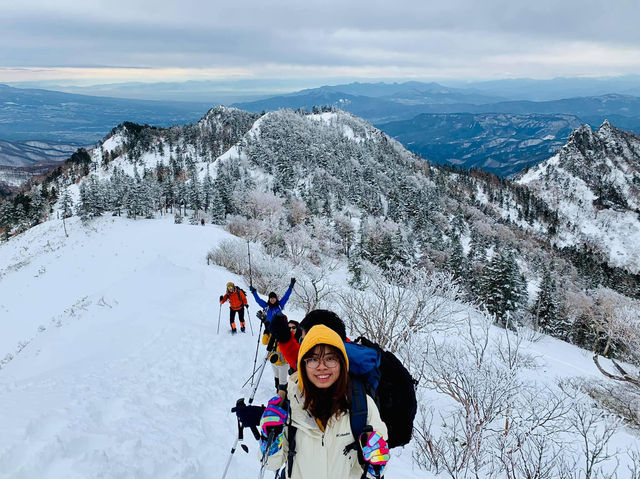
(110, 365)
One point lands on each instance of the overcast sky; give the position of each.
(140, 40)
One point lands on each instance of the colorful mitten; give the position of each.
(375, 452)
(273, 419)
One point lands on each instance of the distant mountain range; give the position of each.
(376, 102)
(27, 153)
(404, 104)
(65, 118)
(477, 125)
(244, 90)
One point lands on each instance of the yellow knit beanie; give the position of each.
(320, 334)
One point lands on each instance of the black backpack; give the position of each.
(237, 291)
(394, 393)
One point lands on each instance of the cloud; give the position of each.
(408, 38)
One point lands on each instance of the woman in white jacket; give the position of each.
(318, 410)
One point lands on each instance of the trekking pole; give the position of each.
(255, 358)
(250, 325)
(255, 370)
(219, 312)
(253, 375)
(249, 253)
(270, 348)
(265, 454)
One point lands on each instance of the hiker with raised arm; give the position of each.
(271, 309)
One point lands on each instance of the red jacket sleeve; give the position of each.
(290, 351)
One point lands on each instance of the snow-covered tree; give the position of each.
(7, 218)
(549, 309)
(66, 204)
(37, 207)
(457, 262)
(502, 287)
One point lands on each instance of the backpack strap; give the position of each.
(292, 448)
(359, 410)
(358, 416)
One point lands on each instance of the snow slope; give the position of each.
(110, 365)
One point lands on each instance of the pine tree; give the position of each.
(117, 191)
(354, 266)
(207, 190)
(20, 217)
(7, 219)
(218, 212)
(457, 262)
(83, 207)
(193, 192)
(134, 196)
(66, 203)
(37, 208)
(546, 307)
(67, 208)
(503, 288)
(95, 197)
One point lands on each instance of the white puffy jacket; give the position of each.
(319, 455)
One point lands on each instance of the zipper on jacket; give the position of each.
(323, 439)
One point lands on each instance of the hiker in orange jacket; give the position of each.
(237, 303)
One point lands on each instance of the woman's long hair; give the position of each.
(323, 404)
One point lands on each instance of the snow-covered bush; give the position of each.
(300, 246)
(620, 398)
(496, 422)
(297, 212)
(616, 324)
(390, 313)
(244, 227)
(269, 273)
(261, 205)
(314, 288)
(232, 255)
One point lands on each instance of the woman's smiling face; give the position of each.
(322, 366)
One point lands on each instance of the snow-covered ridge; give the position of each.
(13, 177)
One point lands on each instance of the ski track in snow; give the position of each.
(132, 382)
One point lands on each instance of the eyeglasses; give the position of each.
(293, 328)
(329, 361)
